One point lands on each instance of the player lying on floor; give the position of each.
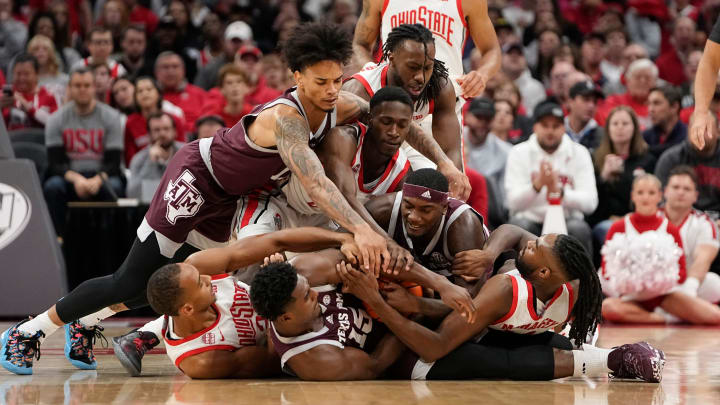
(198, 321)
(555, 281)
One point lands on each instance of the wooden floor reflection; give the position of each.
(692, 376)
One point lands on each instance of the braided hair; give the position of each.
(418, 33)
(576, 261)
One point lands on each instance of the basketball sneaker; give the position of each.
(130, 349)
(79, 342)
(17, 350)
(637, 361)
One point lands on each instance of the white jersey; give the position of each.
(695, 230)
(528, 315)
(237, 324)
(444, 18)
(396, 170)
(374, 77)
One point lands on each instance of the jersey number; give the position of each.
(363, 323)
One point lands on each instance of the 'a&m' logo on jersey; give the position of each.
(184, 200)
(209, 338)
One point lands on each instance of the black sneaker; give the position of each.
(17, 350)
(79, 342)
(131, 347)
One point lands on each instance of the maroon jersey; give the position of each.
(436, 256)
(345, 324)
(240, 166)
(197, 196)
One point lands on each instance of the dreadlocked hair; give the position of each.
(418, 33)
(587, 312)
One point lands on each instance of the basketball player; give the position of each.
(321, 333)
(197, 199)
(432, 226)
(450, 22)
(408, 61)
(361, 160)
(554, 281)
(210, 328)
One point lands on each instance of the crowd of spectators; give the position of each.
(591, 94)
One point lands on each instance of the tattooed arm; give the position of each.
(366, 33)
(292, 136)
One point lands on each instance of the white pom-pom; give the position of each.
(640, 267)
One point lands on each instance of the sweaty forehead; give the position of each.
(416, 50)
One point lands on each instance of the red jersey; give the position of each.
(215, 106)
(189, 99)
(43, 104)
(640, 108)
(262, 93)
(137, 138)
(144, 17)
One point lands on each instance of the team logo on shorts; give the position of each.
(209, 338)
(278, 221)
(15, 212)
(184, 200)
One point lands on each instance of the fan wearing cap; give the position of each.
(236, 35)
(485, 152)
(248, 59)
(582, 105)
(547, 166)
(515, 66)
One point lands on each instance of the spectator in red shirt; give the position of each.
(149, 100)
(478, 198)
(248, 58)
(234, 86)
(170, 74)
(277, 74)
(641, 76)
(142, 16)
(27, 105)
(671, 62)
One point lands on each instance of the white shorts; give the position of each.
(418, 160)
(261, 215)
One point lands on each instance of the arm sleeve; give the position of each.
(111, 162)
(715, 33)
(57, 161)
(583, 196)
(519, 190)
(53, 131)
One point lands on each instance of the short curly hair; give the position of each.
(164, 291)
(315, 42)
(272, 288)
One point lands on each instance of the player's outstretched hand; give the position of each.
(361, 284)
(473, 263)
(702, 129)
(400, 259)
(351, 251)
(373, 249)
(274, 258)
(400, 298)
(458, 181)
(459, 299)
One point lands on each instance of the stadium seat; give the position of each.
(32, 151)
(33, 135)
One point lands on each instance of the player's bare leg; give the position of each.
(617, 310)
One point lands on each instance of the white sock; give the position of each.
(93, 319)
(710, 288)
(155, 327)
(591, 362)
(41, 322)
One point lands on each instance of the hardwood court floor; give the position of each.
(692, 376)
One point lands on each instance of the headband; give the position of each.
(424, 193)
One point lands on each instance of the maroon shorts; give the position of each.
(188, 198)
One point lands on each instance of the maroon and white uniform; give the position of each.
(259, 215)
(436, 256)
(345, 324)
(373, 77)
(198, 194)
(528, 315)
(237, 324)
